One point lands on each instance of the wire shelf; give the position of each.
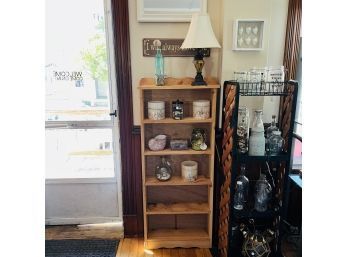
(262, 88)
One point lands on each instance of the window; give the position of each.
(297, 152)
(79, 93)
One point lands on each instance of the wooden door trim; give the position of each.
(129, 141)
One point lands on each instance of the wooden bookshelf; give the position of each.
(177, 213)
(178, 181)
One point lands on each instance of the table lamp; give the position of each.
(199, 36)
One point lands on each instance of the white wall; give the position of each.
(274, 12)
(222, 62)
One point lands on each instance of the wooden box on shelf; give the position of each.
(177, 213)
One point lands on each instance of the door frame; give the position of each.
(129, 135)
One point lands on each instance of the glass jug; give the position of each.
(245, 182)
(263, 192)
(257, 140)
(163, 171)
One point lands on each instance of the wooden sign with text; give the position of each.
(170, 47)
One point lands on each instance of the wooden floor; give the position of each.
(89, 231)
(134, 247)
(128, 247)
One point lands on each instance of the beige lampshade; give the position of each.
(200, 33)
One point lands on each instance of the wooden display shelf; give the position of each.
(171, 238)
(187, 120)
(177, 152)
(177, 208)
(178, 213)
(172, 83)
(178, 181)
(178, 234)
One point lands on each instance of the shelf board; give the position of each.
(172, 83)
(246, 157)
(178, 234)
(177, 152)
(187, 120)
(178, 181)
(177, 208)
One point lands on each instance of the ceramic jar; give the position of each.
(189, 170)
(201, 109)
(155, 110)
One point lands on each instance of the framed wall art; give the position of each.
(248, 35)
(169, 10)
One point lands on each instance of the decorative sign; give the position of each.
(169, 47)
(67, 75)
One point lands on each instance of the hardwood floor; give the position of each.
(134, 247)
(90, 231)
(128, 247)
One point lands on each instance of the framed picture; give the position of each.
(169, 10)
(248, 35)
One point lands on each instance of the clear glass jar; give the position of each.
(263, 192)
(198, 139)
(239, 196)
(177, 110)
(243, 129)
(275, 143)
(245, 182)
(164, 170)
(271, 128)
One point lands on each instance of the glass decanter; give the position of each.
(164, 170)
(275, 143)
(263, 192)
(245, 182)
(239, 197)
(271, 128)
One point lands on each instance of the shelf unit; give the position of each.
(231, 161)
(177, 213)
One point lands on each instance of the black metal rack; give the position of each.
(279, 164)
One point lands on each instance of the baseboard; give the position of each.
(86, 220)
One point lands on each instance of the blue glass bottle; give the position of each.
(159, 67)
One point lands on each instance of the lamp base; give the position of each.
(199, 63)
(199, 81)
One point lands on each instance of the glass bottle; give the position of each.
(164, 170)
(271, 128)
(275, 143)
(257, 139)
(243, 129)
(263, 192)
(245, 182)
(159, 66)
(239, 196)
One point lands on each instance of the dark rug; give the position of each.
(81, 248)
